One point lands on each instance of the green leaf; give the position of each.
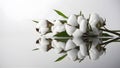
(60, 13)
(35, 49)
(35, 21)
(106, 35)
(63, 21)
(62, 34)
(61, 58)
(62, 40)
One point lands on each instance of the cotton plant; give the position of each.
(76, 36)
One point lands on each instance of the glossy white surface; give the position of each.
(18, 35)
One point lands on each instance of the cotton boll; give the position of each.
(57, 23)
(43, 23)
(83, 26)
(72, 54)
(77, 33)
(38, 25)
(44, 30)
(94, 54)
(72, 20)
(58, 27)
(69, 45)
(80, 56)
(96, 20)
(53, 31)
(80, 18)
(95, 30)
(49, 35)
(69, 29)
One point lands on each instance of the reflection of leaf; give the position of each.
(106, 35)
(60, 13)
(60, 58)
(35, 21)
(35, 49)
(105, 39)
(62, 34)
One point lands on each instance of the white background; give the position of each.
(18, 35)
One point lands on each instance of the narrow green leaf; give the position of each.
(60, 13)
(62, 34)
(106, 35)
(61, 58)
(35, 21)
(62, 40)
(63, 21)
(35, 49)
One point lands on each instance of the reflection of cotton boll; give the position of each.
(101, 52)
(94, 54)
(57, 50)
(69, 29)
(77, 33)
(72, 54)
(58, 44)
(80, 56)
(77, 41)
(43, 48)
(69, 45)
(83, 26)
(53, 43)
(83, 49)
(44, 41)
(44, 30)
(44, 44)
(72, 20)
(80, 18)
(95, 42)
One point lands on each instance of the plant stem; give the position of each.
(110, 31)
(105, 43)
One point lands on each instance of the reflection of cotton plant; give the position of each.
(75, 36)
